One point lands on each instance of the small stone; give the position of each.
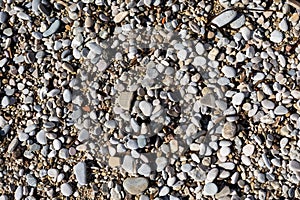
(238, 22)
(229, 130)
(5, 101)
(276, 36)
(146, 108)
(41, 137)
(3, 62)
(114, 162)
(94, 47)
(135, 185)
(208, 100)
(294, 166)
(182, 54)
(283, 25)
(164, 191)
(3, 17)
(229, 72)
(19, 193)
(144, 170)
(125, 99)
(248, 149)
(227, 165)
(120, 16)
(224, 18)
(66, 189)
(268, 104)
(238, 98)
(280, 110)
(67, 96)
(210, 189)
(31, 180)
(52, 29)
(161, 163)
(129, 164)
(200, 49)
(80, 173)
(212, 174)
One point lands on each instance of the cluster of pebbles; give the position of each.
(149, 99)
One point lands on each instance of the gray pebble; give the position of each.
(31, 180)
(67, 95)
(52, 29)
(238, 22)
(146, 108)
(135, 185)
(80, 173)
(3, 17)
(294, 166)
(210, 189)
(41, 137)
(144, 170)
(276, 36)
(238, 98)
(164, 191)
(200, 49)
(283, 25)
(268, 104)
(120, 16)
(248, 149)
(19, 193)
(66, 189)
(229, 130)
(280, 110)
(224, 18)
(229, 72)
(3, 61)
(5, 101)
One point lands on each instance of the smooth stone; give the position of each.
(125, 99)
(129, 164)
(238, 98)
(161, 163)
(83, 135)
(229, 72)
(23, 16)
(212, 174)
(238, 22)
(67, 96)
(114, 162)
(52, 29)
(280, 110)
(229, 130)
(146, 108)
(200, 49)
(3, 61)
(224, 18)
(164, 191)
(66, 189)
(31, 180)
(80, 173)
(210, 189)
(18, 193)
(3, 17)
(268, 104)
(276, 36)
(182, 54)
(144, 170)
(283, 25)
(120, 16)
(294, 166)
(41, 137)
(208, 100)
(135, 186)
(227, 165)
(5, 101)
(246, 160)
(248, 149)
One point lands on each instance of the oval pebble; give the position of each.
(66, 189)
(135, 185)
(210, 189)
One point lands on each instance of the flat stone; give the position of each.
(229, 130)
(3, 17)
(120, 16)
(19, 192)
(80, 173)
(114, 162)
(67, 95)
(238, 22)
(238, 98)
(125, 99)
(294, 166)
(5, 101)
(41, 137)
(227, 165)
(283, 25)
(208, 100)
(3, 61)
(161, 163)
(135, 185)
(212, 174)
(181, 55)
(200, 49)
(144, 170)
(164, 191)
(268, 104)
(276, 36)
(210, 189)
(280, 110)
(94, 47)
(224, 18)
(129, 164)
(66, 189)
(248, 149)
(52, 29)
(146, 108)
(229, 72)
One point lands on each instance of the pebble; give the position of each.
(280, 110)
(210, 189)
(146, 108)
(120, 16)
(238, 98)
(248, 149)
(200, 49)
(67, 96)
(229, 130)
(19, 193)
(229, 72)
(80, 173)
(135, 186)
(52, 29)
(164, 191)
(276, 36)
(294, 166)
(283, 25)
(212, 174)
(125, 100)
(268, 104)
(182, 54)
(41, 137)
(144, 170)
(66, 189)
(3, 17)
(224, 18)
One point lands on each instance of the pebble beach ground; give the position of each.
(149, 99)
